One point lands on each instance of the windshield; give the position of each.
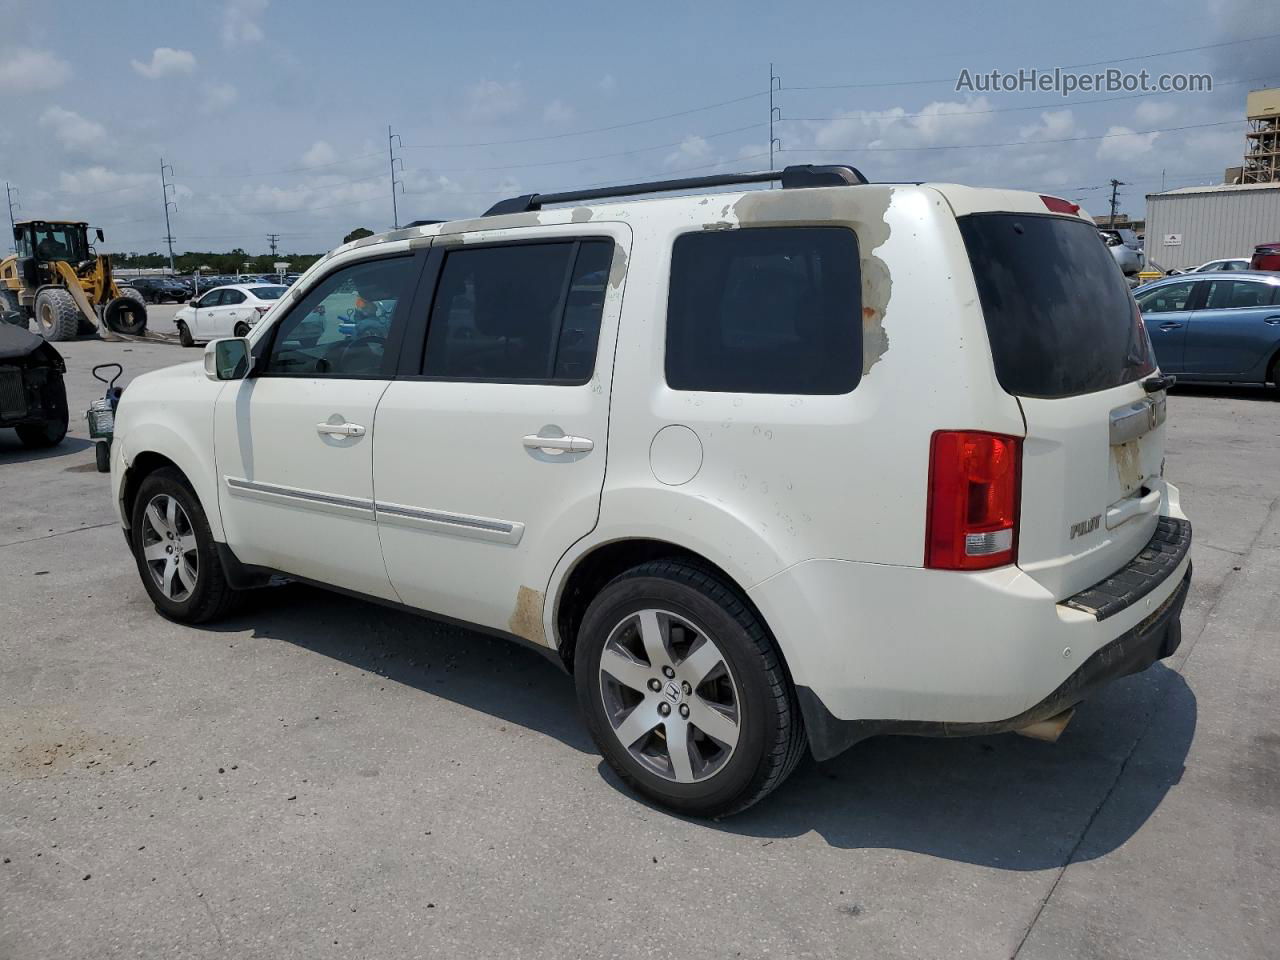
(268, 293)
(1059, 313)
(61, 242)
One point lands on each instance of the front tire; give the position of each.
(57, 316)
(175, 551)
(684, 691)
(184, 335)
(40, 436)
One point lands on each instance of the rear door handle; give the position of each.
(1272, 321)
(340, 429)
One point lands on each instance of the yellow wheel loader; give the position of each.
(57, 279)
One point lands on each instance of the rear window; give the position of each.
(1059, 314)
(765, 310)
(268, 293)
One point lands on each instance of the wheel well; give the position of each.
(1273, 369)
(143, 465)
(596, 569)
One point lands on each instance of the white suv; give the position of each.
(765, 470)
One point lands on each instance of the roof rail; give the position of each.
(794, 177)
(421, 223)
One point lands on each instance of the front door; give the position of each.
(294, 441)
(1166, 312)
(490, 457)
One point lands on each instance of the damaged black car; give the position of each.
(33, 396)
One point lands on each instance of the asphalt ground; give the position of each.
(319, 777)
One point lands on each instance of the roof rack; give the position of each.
(421, 223)
(793, 177)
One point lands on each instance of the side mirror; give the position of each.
(193, 303)
(228, 359)
(98, 231)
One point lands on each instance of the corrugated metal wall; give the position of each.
(1228, 223)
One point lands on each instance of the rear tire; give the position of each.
(57, 316)
(738, 724)
(184, 335)
(185, 582)
(241, 329)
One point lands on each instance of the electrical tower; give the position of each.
(10, 193)
(1115, 185)
(165, 187)
(273, 239)
(775, 113)
(393, 139)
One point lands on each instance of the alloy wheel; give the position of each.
(169, 547)
(670, 696)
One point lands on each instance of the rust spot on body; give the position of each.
(526, 619)
(1128, 463)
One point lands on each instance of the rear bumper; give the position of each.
(881, 649)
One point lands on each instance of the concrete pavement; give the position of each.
(319, 777)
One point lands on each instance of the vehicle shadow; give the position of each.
(483, 672)
(1000, 801)
(12, 449)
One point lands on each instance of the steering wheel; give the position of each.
(368, 341)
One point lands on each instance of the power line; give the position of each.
(1008, 143)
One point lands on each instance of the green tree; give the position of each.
(357, 234)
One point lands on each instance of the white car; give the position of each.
(229, 311)
(768, 471)
(1215, 266)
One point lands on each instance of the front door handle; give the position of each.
(1170, 325)
(1272, 321)
(340, 429)
(557, 446)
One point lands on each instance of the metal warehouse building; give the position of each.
(1188, 226)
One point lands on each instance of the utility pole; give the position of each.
(9, 194)
(392, 140)
(273, 239)
(1115, 185)
(165, 187)
(775, 83)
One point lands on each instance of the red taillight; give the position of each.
(1058, 205)
(974, 482)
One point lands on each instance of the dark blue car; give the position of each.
(1215, 327)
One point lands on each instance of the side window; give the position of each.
(340, 328)
(211, 299)
(515, 313)
(232, 296)
(765, 310)
(1170, 298)
(1235, 294)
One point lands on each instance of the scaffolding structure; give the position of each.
(1262, 140)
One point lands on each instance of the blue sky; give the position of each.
(274, 115)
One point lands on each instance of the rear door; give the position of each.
(1236, 330)
(1166, 311)
(1067, 340)
(490, 457)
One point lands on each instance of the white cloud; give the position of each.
(940, 123)
(319, 154)
(1151, 112)
(166, 62)
(100, 180)
(607, 85)
(31, 71)
(218, 96)
(240, 21)
(490, 100)
(691, 150)
(1053, 125)
(558, 113)
(1122, 143)
(72, 130)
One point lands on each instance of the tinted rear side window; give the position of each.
(765, 310)
(529, 312)
(1059, 314)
